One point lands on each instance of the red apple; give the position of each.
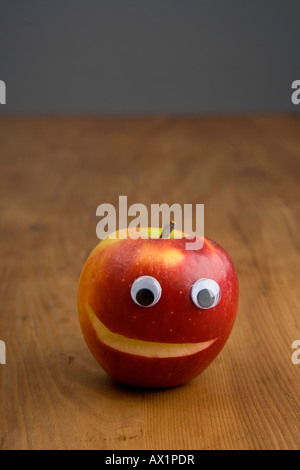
(153, 313)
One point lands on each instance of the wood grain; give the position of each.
(55, 171)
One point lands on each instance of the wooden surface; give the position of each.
(54, 173)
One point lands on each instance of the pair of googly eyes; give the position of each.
(146, 292)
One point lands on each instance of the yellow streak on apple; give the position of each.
(144, 232)
(168, 256)
(211, 246)
(143, 348)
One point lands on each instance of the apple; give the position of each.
(152, 313)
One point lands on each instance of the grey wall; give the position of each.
(153, 56)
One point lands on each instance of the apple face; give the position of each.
(153, 313)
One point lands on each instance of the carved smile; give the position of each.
(143, 348)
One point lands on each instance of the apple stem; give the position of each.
(167, 230)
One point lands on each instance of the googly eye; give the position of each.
(206, 293)
(146, 291)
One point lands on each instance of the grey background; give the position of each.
(154, 56)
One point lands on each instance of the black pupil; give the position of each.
(145, 297)
(205, 298)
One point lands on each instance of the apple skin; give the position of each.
(105, 285)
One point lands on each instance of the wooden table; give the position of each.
(55, 171)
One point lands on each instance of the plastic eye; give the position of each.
(146, 291)
(206, 293)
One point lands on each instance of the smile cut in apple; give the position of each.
(143, 348)
(153, 313)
